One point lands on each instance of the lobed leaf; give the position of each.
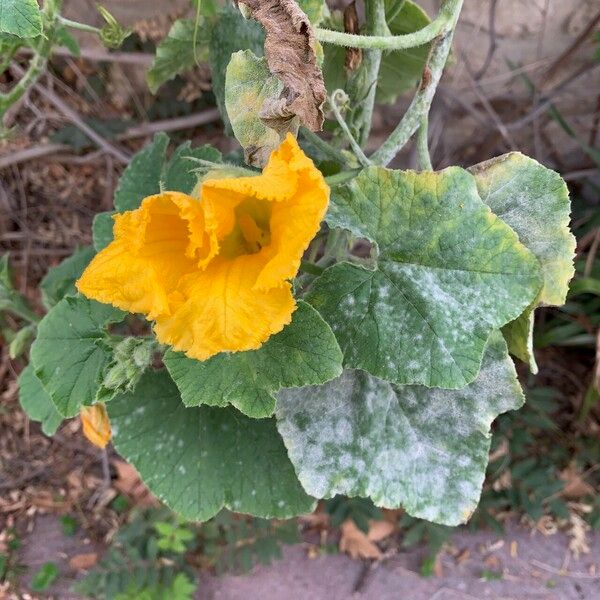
(36, 402)
(422, 449)
(449, 272)
(102, 230)
(70, 353)
(534, 201)
(305, 352)
(185, 46)
(198, 460)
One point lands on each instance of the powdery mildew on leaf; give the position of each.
(534, 201)
(198, 460)
(449, 272)
(305, 352)
(248, 85)
(422, 449)
(291, 56)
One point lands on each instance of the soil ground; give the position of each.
(521, 565)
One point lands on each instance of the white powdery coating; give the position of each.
(423, 449)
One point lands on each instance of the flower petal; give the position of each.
(223, 313)
(96, 424)
(154, 247)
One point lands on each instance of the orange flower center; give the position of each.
(251, 231)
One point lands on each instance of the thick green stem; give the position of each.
(395, 42)
(40, 57)
(421, 103)
(423, 145)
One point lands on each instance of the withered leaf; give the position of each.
(290, 53)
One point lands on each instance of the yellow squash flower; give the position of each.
(213, 274)
(96, 425)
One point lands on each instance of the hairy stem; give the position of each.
(395, 42)
(362, 86)
(80, 26)
(421, 103)
(40, 57)
(423, 145)
(360, 155)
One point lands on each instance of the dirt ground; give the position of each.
(520, 565)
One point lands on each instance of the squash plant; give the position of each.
(325, 324)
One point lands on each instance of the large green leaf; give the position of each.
(60, 280)
(142, 176)
(21, 18)
(197, 460)
(71, 352)
(248, 83)
(534, 201)
(422, 449)
(149, 172)
(36, 402)
(401, 71)
(184, 47)
(449, 272)
(305, 352)
(231, 33)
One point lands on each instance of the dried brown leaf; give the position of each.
(356, 542)
(83, 561)
(291, 57)
(575, 485)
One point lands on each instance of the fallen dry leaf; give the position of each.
(81, 562)
(128, 482)
(356, 543)
(575, 486)
(359, 544)
(290, 53)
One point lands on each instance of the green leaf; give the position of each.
(401, 71)
(403, 446)
(305, 352)
(184, 47)
(64, 38)
(180, 175)
(112, 34)
(46, 575)
(21, 18)
(149, 172)
(102, 230)
(231, 33)
(71, 352)
(534, 201)
(21, 340)
(449, 272)
(36, 402)
(248, 84)
(142, 176)
(60, 280)
(197, 460)
(519, 337)
(10, 299)
(74, 137)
